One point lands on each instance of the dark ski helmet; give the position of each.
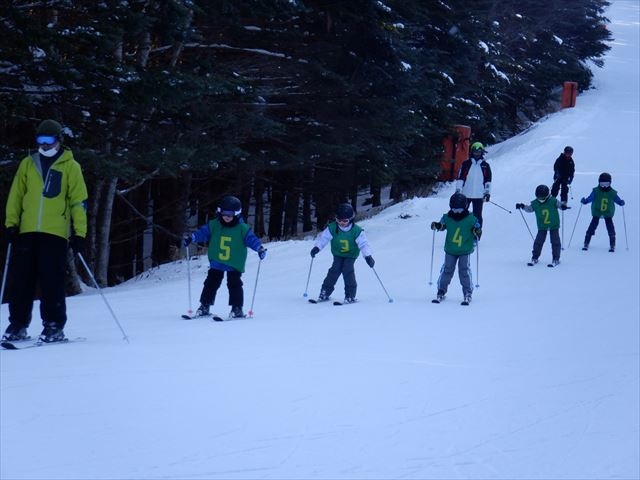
(458, 200)
(49, 128)
(345, 211)
(568, 150)
(604, 177)
(230, 206)
(542, 192)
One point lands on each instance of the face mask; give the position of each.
(48, 153)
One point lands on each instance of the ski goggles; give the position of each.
(605, 184)
(46, 139)
(457, 210)
(229, 213)
(343, 220)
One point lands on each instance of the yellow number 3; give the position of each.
(344, 246)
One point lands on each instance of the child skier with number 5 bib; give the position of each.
(228, 238)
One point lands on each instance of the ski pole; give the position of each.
(525, 222)
(6, 269)
(478, 264)
(562, 240)
(86, 267)
(624, 221)
(255, 287)
(186, 251)
(574, 225)
(382, 285)
(500, 206)
(433, 242)
(306, 288)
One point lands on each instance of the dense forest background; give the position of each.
(290, 105)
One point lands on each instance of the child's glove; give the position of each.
(262, 252)
(583, 201)
(563, 207)
(314, 251)
(186, 239)
(519, 206)
(622, 202)
(477, 232)
(436, 226)
(370, 261)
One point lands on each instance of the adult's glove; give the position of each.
(436, 226)
(477, 232)
(186, 239)
(370, 261)
(262, 252)
(583, 201)
(314, 251)
(519, 206)
(622, 202)
(569, 180)
(555, 176)
(486, 197)
(77, 244)
(563, 207)
(12, 234)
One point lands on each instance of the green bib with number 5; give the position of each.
(227, 246)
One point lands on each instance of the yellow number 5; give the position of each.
(225, 253)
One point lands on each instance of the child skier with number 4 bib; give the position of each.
(463, 231)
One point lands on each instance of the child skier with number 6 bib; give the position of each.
(463, 230)
(545, 207)
(603, 199)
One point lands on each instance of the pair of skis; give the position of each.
(437, 300)
(550, 265)
(336, 303)
(215, 317)
(22, 344)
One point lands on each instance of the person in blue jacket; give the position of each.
(603, 201)
(228, 237)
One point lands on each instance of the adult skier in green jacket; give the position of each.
(45, 212)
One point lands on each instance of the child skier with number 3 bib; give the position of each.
(463, 230)
(347, 240)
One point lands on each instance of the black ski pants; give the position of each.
(38, 258)
(560, 185)
(539, 242)
(212, 284)
(611, 230)
(476, 205)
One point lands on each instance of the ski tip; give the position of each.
(8, 346)
(435, 300)
(216, 318)
(187, 317)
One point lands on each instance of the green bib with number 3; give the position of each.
(343, 244)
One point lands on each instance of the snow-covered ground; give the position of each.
(537, 379)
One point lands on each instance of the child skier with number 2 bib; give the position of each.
(545, 207)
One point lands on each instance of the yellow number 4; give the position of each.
(457, 238)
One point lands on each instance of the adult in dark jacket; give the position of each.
(563, 170)
(46, 201)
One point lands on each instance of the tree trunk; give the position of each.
(102, 234)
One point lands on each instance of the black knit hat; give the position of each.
(49, 127)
